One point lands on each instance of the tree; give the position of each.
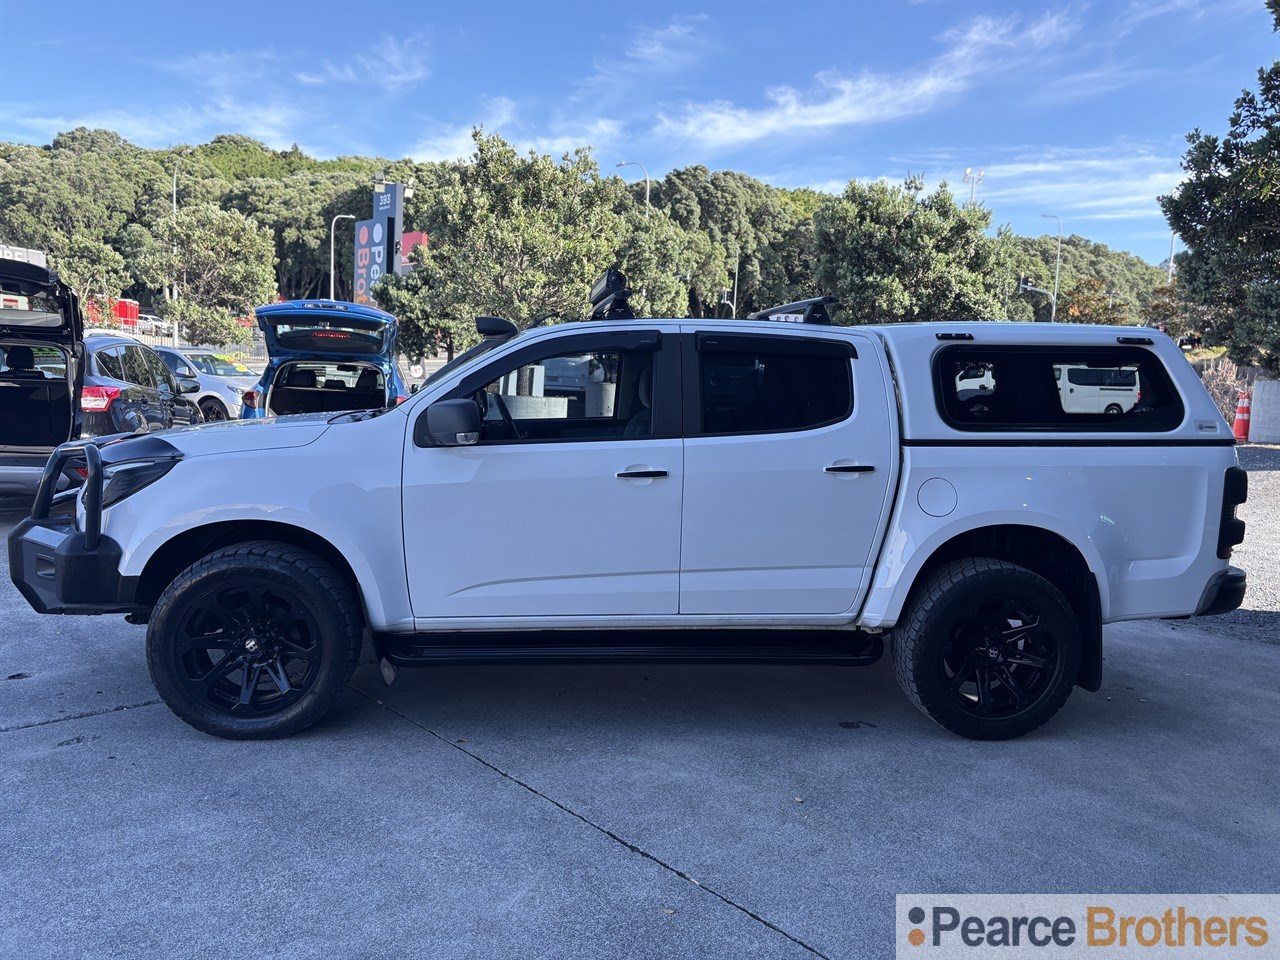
(656, 258)
(222, 268)
(522, 237)
(890, 254)
(1089, 301)
(91, 267)
(1227, 212)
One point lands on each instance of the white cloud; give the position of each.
(395, 64)
(987, 44)
(453, 143)
(652, 52)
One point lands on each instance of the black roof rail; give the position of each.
(802, 311)
(609, 297)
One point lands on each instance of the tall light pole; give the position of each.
(972, 180)
(333, 226)
(1173, 236)
(1057, 267)
(173, 287)
(633, 163)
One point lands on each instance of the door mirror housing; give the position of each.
(188, 385)
(448, 423)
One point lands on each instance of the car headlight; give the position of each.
(125, 479)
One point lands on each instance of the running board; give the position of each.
(671, 646)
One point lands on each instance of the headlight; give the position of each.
(126, 479)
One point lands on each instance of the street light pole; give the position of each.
(972, 181)
(633, 163)
(333, 226)
(1057, 267)
(173, 286)
(1173, 236)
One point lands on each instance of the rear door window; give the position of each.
(137, 369)
(110, 362)
(770, 384)
(1123, 389)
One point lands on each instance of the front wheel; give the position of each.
(987, 649)
(213, 411)
(254, 641)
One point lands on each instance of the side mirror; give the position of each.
(187, 385)
(448, 423)
(414, 388)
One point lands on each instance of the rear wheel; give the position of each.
(1114, 409)
(254, 641)
(212, 410)
(987, 649)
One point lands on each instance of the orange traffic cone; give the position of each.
(1241, 427)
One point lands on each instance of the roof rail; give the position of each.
(802, 311)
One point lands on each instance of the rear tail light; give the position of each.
(1235, 490)
(250, 399)
(400, 400)
(97, 399)
(83, 471)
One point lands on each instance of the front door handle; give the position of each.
(641, 474)
(850, 468)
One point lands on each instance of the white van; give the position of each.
(1110, 390)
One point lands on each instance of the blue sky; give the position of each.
(1076, 109)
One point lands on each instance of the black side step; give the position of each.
(671, 646)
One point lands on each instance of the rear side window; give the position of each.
(1120, 389)
(109, 362)
(772, 384)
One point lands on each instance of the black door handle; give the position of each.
(642, 474)
(850, 468)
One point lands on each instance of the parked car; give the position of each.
(835, 485)
(223, 379)
(40, 378)
(58, 384)
(325, 356)
(128, 389)
(149, 323)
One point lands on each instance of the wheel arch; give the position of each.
(1046, 554)
(184, 549)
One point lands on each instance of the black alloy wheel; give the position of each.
(212, 411)
(987, 648)
(255, 640)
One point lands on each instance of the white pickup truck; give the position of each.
(743, 490)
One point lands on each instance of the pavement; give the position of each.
(619, 811)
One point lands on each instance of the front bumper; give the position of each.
(59, 568)
(52, 568)
(1224, 593)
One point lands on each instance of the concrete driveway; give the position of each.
(612, 811)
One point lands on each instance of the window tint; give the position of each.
(589, 395)
(159, 375)
(109, 362)
(1048, 388)
(768, 384)
(136, 368)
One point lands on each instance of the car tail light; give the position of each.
(250, 399)
(97, 399)
(83, 471)
(400, 400)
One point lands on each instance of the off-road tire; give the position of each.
(928, 636)
(325, 600)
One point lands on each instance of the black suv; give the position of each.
(57, 384)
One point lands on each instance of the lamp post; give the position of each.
(633, 163)
(333, 226)
(972, 180)
(173, 287)
(1057, 267)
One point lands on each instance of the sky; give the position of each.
(1076, 109)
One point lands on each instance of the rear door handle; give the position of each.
(850, 468)
(641, 474)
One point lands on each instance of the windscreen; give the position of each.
(217, 365)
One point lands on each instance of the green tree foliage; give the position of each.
(890, 253)
(221, 264)
(1227, 212)
(518, 236)
(91, 267)
(1089, 301)
(1131, 279)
